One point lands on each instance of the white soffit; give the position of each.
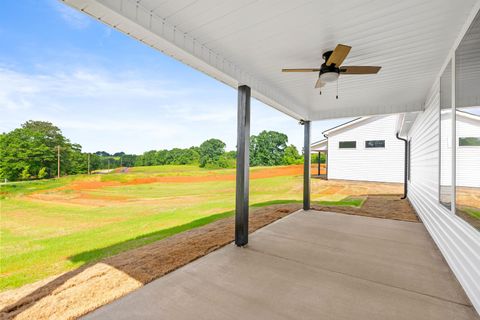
(249, 42)
(318, 146)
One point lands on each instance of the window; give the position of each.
(467, 103)
(469, 142)
(375, 144)
(347, 144)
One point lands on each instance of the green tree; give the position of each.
(128, 160)
(291, 156)
(34, 144)
(25, 175)
(76, 161)
(42, 173)
(268, 148)
(322, 158)
(161, 157)
(210, 152)
(149, 158)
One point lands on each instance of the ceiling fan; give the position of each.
(331, 69)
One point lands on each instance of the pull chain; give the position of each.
(337, 88)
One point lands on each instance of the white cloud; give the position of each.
(129, 111)
(114, 111)
(73, 18)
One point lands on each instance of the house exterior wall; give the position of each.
(458, 241)
(367, 164)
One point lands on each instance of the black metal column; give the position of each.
(306, 165)
(319, 163)
(243, 163)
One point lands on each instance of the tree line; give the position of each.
(32, 152)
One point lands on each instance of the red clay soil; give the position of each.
(256, 174)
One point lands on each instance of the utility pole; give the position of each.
(58, 161)
(88, 164)
(121, 162)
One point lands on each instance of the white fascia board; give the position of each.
(345, 125)
(400, 124)
(131, 18)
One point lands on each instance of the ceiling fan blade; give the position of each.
(301, 70)
(319, 83)
(359, 69)
(338, 55)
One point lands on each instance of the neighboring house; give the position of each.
(364, 149)
(367, 149)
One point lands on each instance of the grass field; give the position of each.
(51, 226)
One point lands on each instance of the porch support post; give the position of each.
(243, 162)
(306, 165)
(319, 162)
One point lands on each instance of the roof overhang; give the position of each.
(405, 122)
(239, 42)
(319, 146)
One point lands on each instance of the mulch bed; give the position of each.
(379, 206)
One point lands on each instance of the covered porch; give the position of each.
(309, 265)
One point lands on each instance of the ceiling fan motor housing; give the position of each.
(328, 73)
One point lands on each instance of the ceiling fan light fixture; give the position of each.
(329, 76)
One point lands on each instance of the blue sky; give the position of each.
(109, 92)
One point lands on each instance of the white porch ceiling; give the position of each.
(249, 42)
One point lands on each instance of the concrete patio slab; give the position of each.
(309, 265)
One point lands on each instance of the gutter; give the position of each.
(405, 167)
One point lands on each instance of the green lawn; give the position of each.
(48, 227)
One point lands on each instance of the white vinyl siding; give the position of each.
(367, 164)
(456, 239)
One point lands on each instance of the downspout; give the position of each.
(404, 167)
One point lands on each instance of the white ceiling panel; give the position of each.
(249, 42)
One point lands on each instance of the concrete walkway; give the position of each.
(309, 265)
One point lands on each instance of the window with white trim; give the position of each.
(347, 144)
(469, 142)
(375, 144)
